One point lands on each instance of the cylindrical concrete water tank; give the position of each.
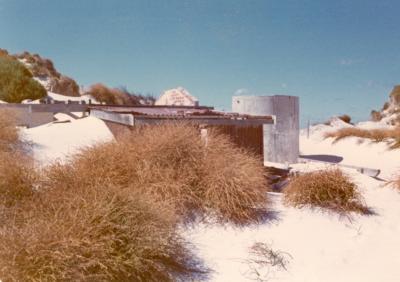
(281, 140)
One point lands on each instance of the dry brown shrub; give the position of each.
(376, 135)
(345, 118)
(395, 95)
(94, 233)
(17, 173)
(9, 135)
(329, 189)
(233, 181)
(376, 116)
(111, 96)
(396, 183)
(17, 178)
(385, 106)
(171, 162)
(3, 53)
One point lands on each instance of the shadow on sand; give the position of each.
(323, 158)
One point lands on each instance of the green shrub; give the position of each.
(17, 83)
(329, 189)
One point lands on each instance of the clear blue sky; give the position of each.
(338, 56)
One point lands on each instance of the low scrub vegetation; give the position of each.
(9, 135)
(44, 68)
(170, 161)
(345, 118)
(376, 116)
(17, 83)
(98, 233)
(118, 96)
(17, 178)
(110, 96)
(328, 189)
(17, 173)
(376, 135)
(395, 95)
(55, 227)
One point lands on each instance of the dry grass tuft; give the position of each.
(376, 116)
(172, 162)
(110, 96)
(264, 260)
(73, 225)
(17, 174)
(376, 135)
(17, 178)
(328, 189)
(94, 233)
(9, 136)
(232, 181)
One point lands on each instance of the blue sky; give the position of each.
(338, 56)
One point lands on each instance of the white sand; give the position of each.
(59, 140)
(323, 246)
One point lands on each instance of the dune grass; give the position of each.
(327, 189)
(17, 173)
(9, 134)
(171, 161)
(376, 135)
(67, 224)
(110, 96)
(100, 233)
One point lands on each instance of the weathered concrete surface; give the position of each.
(281, 140)
(120, 118)
(25, 117)
(31, 115)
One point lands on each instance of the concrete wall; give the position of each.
(26, 117)
(120, 118)
(31, 115)
(281, 140)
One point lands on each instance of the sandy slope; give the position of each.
(58, 140)
(322, 246)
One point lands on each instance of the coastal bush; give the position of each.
(17, 83)
(173, 163)
(110, 96)
(395, 95)
(9, 135)
(376, 116)
(94, 233)
(345, 118)
(17, 174)
(328, 189)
